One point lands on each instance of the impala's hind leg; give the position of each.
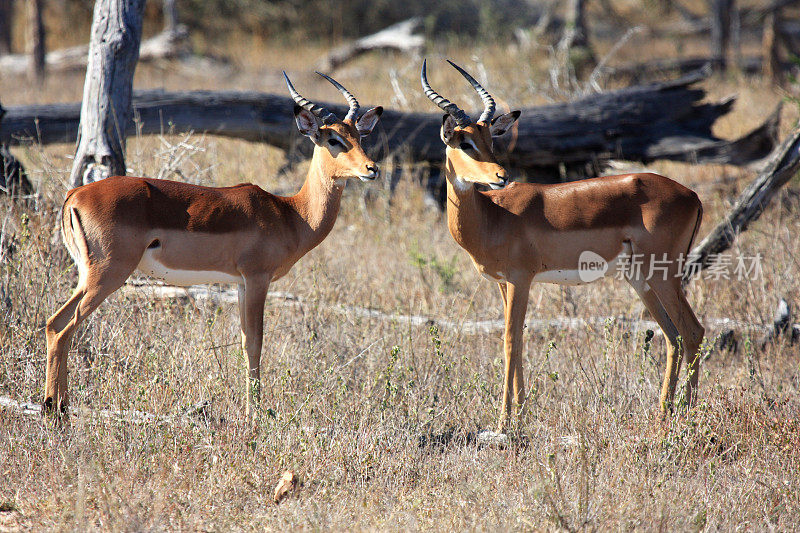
(684, 333)
(653, 304)
(94, 287)
(691, 331)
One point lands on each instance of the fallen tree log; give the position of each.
(169, 44)
(782, 165)
(643, 123)
(221, 295)
(188, 417)
(13, 178)
(398, 37)
(647, 70)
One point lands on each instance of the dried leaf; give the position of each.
(287, 484)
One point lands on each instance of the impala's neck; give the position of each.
(465, 210)
(317, 203)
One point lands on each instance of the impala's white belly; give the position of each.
(599, 269)
(560, 277)
(182, 278)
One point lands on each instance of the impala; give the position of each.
(526, 232)
(188, 234)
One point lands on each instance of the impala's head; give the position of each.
(338, 142)
(470, 153)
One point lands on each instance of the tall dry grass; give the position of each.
(377, 416)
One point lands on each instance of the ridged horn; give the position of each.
(462, 119)
(488, 101)
(351, 100)
(307, 104)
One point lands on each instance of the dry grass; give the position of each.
(348, 401)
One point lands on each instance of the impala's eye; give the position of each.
(335, 143)
(467, 146)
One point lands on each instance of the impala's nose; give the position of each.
(372, 172)
(503, 179)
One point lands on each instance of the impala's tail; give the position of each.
(74, 236)
(687, 269)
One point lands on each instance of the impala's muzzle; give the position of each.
(501, 182)
(372, 173)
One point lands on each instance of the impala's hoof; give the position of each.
(487, 437)
(49, 408)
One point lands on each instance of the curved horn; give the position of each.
(462, 119)
(351, 100)
(307, 104)
(488, 101)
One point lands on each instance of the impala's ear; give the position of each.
(367, 121)
(448, 128)
(501, 124)
(307, 122)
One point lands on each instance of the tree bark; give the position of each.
(781, 167)
(770, 42)
(36, 40)
(658, 121)
(170, 11)
(6, 17)
(106, 110)
(13, 178)
(638, 72)
(720, 30)
(574, 42)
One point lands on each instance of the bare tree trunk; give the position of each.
(721, 30)
(770, 41)
(170, 10)
(575, 40)
(106, 109)
(36, 40)
(6, 16)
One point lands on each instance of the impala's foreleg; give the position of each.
(503, 295)
(515, 309)
(252, 295)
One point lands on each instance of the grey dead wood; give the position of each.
(226, 296)
(170, 11)
(192, 415)
(574, 43)
(36, 41)
(106, 110)
(170, 44)
(665, 120)
(750, 17)
(6, 19)
(720, 29)
(781, 166)
(770, 48)
(13, 178)
(399, 37)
